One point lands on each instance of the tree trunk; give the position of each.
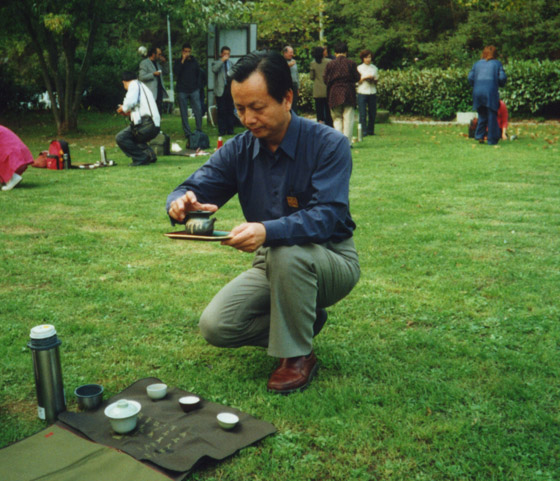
(64, 89)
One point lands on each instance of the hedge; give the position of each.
(533, 87)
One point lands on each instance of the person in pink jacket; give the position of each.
(14, 159)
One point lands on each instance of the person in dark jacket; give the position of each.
(187, 71)
(486, 76)
(341, 76)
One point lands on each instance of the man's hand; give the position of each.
(180, 207)
(247, 237)
(225, 56)
(157, 73)
(121, 111)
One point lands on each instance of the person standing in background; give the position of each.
(367, 93)
(150, 73)
(288, 53)
(341, 76)
(486, 76)
(187, 71)
(316, 71)
(222, 90)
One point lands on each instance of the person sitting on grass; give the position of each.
(14, 159)
(292, 177)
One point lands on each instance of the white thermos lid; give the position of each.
(43, 331)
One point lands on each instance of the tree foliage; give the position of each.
(61, 37)
(297, 22)
(444, 33)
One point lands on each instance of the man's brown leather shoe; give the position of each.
(293, 374)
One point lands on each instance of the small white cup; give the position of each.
(157, 391)
(227, 420)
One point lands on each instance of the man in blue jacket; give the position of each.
(292, 179)
(486, 76)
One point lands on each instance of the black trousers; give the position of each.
(140, 152)
(323, 111)
(225, 112)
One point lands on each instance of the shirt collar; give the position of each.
(289, 142)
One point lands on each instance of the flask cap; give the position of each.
(43, 331)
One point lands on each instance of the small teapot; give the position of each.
(199, 223)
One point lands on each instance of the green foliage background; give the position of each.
(533, 88)
(423, 47)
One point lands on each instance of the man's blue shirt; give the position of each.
(299, 193)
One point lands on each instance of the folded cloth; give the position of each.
(55, 454)
(165, 435)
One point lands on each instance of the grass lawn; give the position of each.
(442, 364)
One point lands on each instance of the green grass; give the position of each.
(442, 364)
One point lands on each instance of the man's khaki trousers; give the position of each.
(274, 304)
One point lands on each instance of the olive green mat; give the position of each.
(55, 454)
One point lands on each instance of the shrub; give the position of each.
(533, 87)
(306, 102)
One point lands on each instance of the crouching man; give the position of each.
(292, 179)
(140, 106)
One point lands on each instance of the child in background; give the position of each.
(503, 119)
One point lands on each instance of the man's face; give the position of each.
(267, 119)
(158, 53)
(289, 53)
(187, 52)
(225, 54)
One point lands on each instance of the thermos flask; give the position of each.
(48, 375)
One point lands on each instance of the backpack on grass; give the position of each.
(58, 157)
(161, 144)
(198, 140)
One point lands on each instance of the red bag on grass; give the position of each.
(58, 157)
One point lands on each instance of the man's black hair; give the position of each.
(127, 76)
(152, 51)
(225, 47)
(272, 66)
(186, 45)
(341, 47)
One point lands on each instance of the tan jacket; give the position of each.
(316, 71)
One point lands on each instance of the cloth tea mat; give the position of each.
(165, 435)
(55, 454)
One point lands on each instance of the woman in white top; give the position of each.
(367, 93)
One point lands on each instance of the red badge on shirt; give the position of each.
(292, 202)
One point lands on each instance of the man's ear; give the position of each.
(288, 99)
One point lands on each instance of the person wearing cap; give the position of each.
(140, 106)
(291, 176)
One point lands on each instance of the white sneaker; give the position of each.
(15, 180)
